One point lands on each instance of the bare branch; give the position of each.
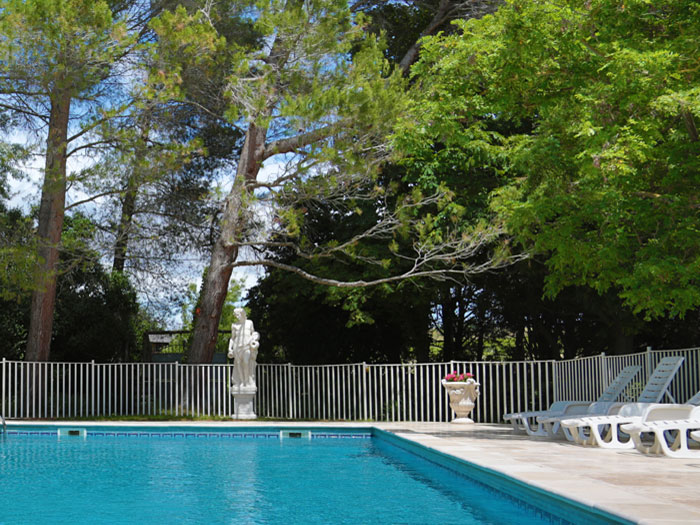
(25, 111)
(89, 145)
(91, 198)
(454, 274)
(95, 124)
(297, 142)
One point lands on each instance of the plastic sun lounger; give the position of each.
(604, 429)
(528, 421)
(670, 428)
(599, 408)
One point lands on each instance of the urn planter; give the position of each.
(462, 396)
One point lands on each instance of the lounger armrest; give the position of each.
(573, 409)
(523, 415)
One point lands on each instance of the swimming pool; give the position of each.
(205, 475)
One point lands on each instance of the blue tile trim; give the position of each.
(315, 435)
(193, 435)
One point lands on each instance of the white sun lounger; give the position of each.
(670, 427)
(604, 429)
(528, 421)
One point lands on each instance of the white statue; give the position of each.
(243, 349)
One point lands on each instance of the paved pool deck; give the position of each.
(644, 489)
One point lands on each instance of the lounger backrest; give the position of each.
(619, 384)
(658, 383)
(600, 408)
(695, 400)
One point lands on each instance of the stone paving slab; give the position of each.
(646, 489)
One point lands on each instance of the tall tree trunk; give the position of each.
(225, 250)
(459, 342)
(448, 324)
(479, 354)
(124, 226)
(129, 199)
(51, 213)
(519, 349)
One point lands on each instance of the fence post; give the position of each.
(364, 390)
(2, 392)
(647, 359)
(290, 391)
(176, 379)
(603, 374)
(92, 388)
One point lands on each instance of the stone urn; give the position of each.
(463, 396)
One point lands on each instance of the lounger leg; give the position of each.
(538, 431)
(577, 434)
(612, 437)
(552, 428)
(596, 437)
(682, 439)
(517, 426)
(636, 438)
(655, 448)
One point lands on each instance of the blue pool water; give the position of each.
(207, 477)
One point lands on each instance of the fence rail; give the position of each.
(354, 392)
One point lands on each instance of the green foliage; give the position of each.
(96, 316)
(17, 255)
(305, 323)
(402, 24)
(589, 110)
(58, 45)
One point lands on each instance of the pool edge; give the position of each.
(459, 464)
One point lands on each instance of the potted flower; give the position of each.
(454, 377)
(463, 391)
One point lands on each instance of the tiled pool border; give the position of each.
(154, 432)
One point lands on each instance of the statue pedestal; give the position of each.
(462, 395)
(244, 403)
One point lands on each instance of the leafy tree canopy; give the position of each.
(589, 109)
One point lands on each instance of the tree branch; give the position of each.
(88, 145)
(291, 144)
(690, 125)
(437, 274)
(91, 198)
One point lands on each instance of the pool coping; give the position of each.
(538, 463)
